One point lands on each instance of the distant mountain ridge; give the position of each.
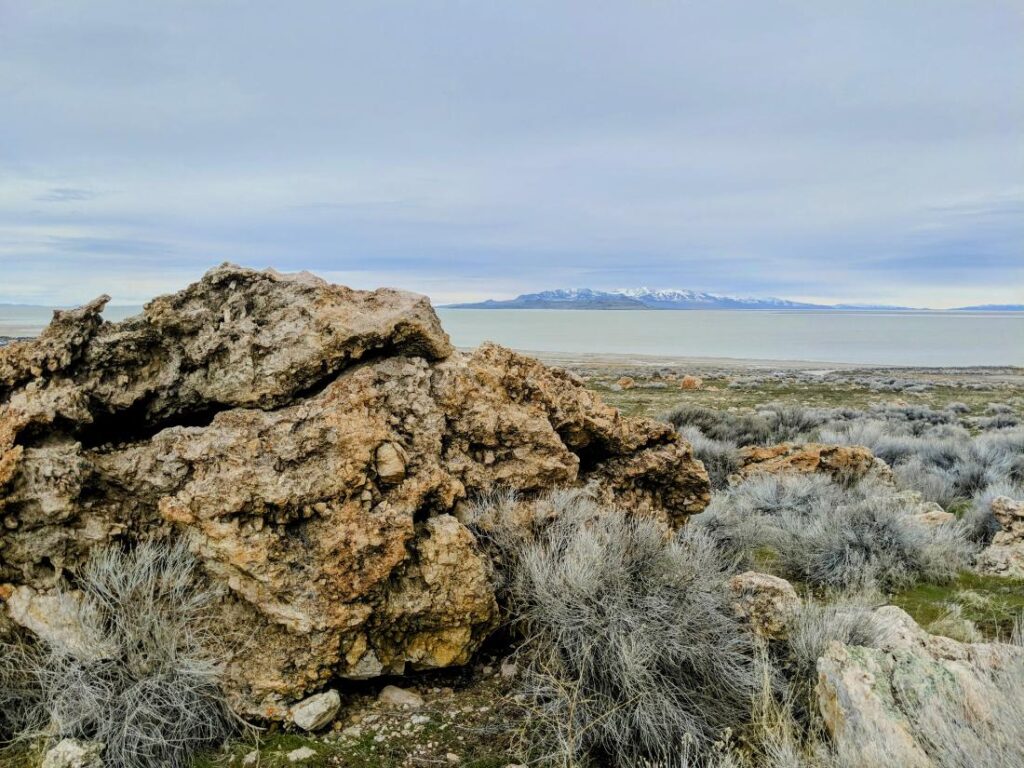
(648, 298)
(645, 298)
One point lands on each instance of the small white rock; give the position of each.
(314, 713)
(251, 757)
(300, 754)
(400, 697)
(419, 719)
(452, 758)
(508, 669)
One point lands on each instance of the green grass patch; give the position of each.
(993, 603)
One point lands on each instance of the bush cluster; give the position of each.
(141, 676)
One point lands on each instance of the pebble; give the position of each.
(300, 754)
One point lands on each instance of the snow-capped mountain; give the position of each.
(634, 298)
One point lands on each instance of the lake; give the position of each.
(868, 338)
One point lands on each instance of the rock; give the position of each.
(57, 619)
(509, 668)
(71, 753)
(1010, 514)
(1005, 555)
(390, 464)
(317, 711)
(875, 702)
(315, 445)
(842, 462)
(251, 758)
(394, 696)
(626, 382)
(301, 754)
(932, 515)
(768, 603)
(453, 758)
(691, 382)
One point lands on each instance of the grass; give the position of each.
(644, 400)
(365, 751)
(992, 603)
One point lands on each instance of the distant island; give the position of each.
(646, 298)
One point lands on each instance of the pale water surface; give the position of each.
(870, 338)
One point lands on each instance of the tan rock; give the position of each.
(846, 462)
(873, 700)
(933, 515)
(1005, 555)
(691, 382)
(394, 696)
(315, 445)
(769, 604)
(626, 382)
(1010, 514)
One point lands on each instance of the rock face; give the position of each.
(842, 462)
(314, 444)
(918, 693)
(1005, 555)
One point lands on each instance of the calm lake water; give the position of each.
(870, 338)
(878, 338)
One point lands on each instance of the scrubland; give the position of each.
(621, 645)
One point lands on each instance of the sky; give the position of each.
(868, 152)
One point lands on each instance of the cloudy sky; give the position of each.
(832, 151)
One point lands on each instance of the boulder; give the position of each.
(315, 446)
(626, 382)
(767, 603)
(892, 705)
(1005, 555)
(841, 462)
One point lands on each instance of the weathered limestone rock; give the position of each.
(626, 382)
(845, 462)
(878, 703)
(317, 711)
(767, 603)
(315, 445)
(1005, 555)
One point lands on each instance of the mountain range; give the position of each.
(646, 298)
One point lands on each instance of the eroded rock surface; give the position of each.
(917, 693)
(841, 462)
(314, 444)
(1005, 555)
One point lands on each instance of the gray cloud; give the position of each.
(864, 152)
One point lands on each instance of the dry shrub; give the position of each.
(834, 536)
(145, 682)
(635, 656)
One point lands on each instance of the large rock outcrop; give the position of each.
(314, 444)
(919, 696)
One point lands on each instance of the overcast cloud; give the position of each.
(858, 151)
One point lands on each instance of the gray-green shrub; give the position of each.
(635, 654)
(145, 683)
